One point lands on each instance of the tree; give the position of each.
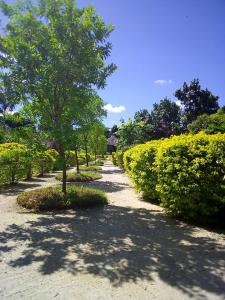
(91, 114)
(209, 123)
(98, 140)
(196, 101)
(55, 54)
(142, 116)
(165, 118)
(130, 134)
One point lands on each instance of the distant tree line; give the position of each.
(195, 109)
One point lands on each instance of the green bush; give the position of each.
(117, 158)
(139, 163)
(191, 172)
(113, 157)
(80, 177)
(52, 198)
(90, 168)
(44, 162)
(187, 173)
(14, 160)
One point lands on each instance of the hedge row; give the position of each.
(186, 173)
(117, 159)
(18, 162)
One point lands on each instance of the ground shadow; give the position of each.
(121, 244)
(109, 186)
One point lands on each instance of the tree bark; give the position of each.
(86, 155)
(95, 156)
(77, 161)
(62, 154)
(29, 172)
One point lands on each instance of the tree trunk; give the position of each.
(29, 172)
(77, 161)
(62, 154)
(86, 155)
(95, 156)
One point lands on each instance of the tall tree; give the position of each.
(57, 54)
(165, 118)
(91, 114)
(142, 116)
(196, 101)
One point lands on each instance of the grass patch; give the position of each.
(81, 177)
(90, 168)
(51, 198)
(98, 162)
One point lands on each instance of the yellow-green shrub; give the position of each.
(191, 170)
(185, 172)
(139, 163)
(14, 159)
(44, 162)
(117, 158)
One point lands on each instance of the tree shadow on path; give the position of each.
(121, 244)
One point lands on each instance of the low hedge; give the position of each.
(186, 173)
(51, 198)
(117, 159)
(72, 176)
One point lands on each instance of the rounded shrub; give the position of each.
(14, 160)
(51, 198)
(191, 170)
(80, 177)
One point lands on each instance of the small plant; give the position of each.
(90, 168)
(51, 198)
(80, 177)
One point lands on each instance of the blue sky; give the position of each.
(170, 40)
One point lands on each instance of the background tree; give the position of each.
(91, 114)
(209, 123)
(196, 101)
(166, 119)
(98, 140)
(130, 133)
(57, 54)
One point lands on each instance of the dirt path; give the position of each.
(128, 250)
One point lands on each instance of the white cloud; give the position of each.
(114, 109)
(162, 81)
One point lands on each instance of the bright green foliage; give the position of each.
(191, 172)
(90, 168)
(56, 57)
(51, 198)
(139, 163)
(209, 123)
(80, 177)
(185, 172)
(45, 162)
(14, 160)
(117, 158)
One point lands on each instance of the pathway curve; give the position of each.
(128, 250)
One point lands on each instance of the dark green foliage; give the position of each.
(209, 123)
(165, 119)
(80, 177)
(51, 198)
(196, 101)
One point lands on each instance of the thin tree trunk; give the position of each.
(62, 154)
(95, 156)
(29, 172)
(86, 155)
(77, 161)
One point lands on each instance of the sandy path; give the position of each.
(128, 250)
